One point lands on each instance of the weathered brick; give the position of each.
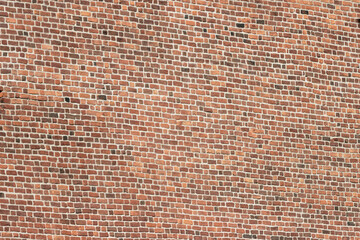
(179, 119)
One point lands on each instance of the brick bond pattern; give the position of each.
(186, 119)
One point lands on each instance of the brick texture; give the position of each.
(185, 119)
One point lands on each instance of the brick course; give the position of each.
(186, 119)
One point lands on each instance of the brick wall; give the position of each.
(185, 119)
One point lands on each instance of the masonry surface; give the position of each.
(185, 119)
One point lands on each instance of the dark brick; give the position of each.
(101, 97)
(304, 11)
(249, 236)
(240, 25)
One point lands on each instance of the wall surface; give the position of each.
(186, 119)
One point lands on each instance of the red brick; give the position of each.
(179, 119)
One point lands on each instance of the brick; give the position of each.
(179, 119)
(240, 25)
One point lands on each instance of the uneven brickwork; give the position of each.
(186, 119)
